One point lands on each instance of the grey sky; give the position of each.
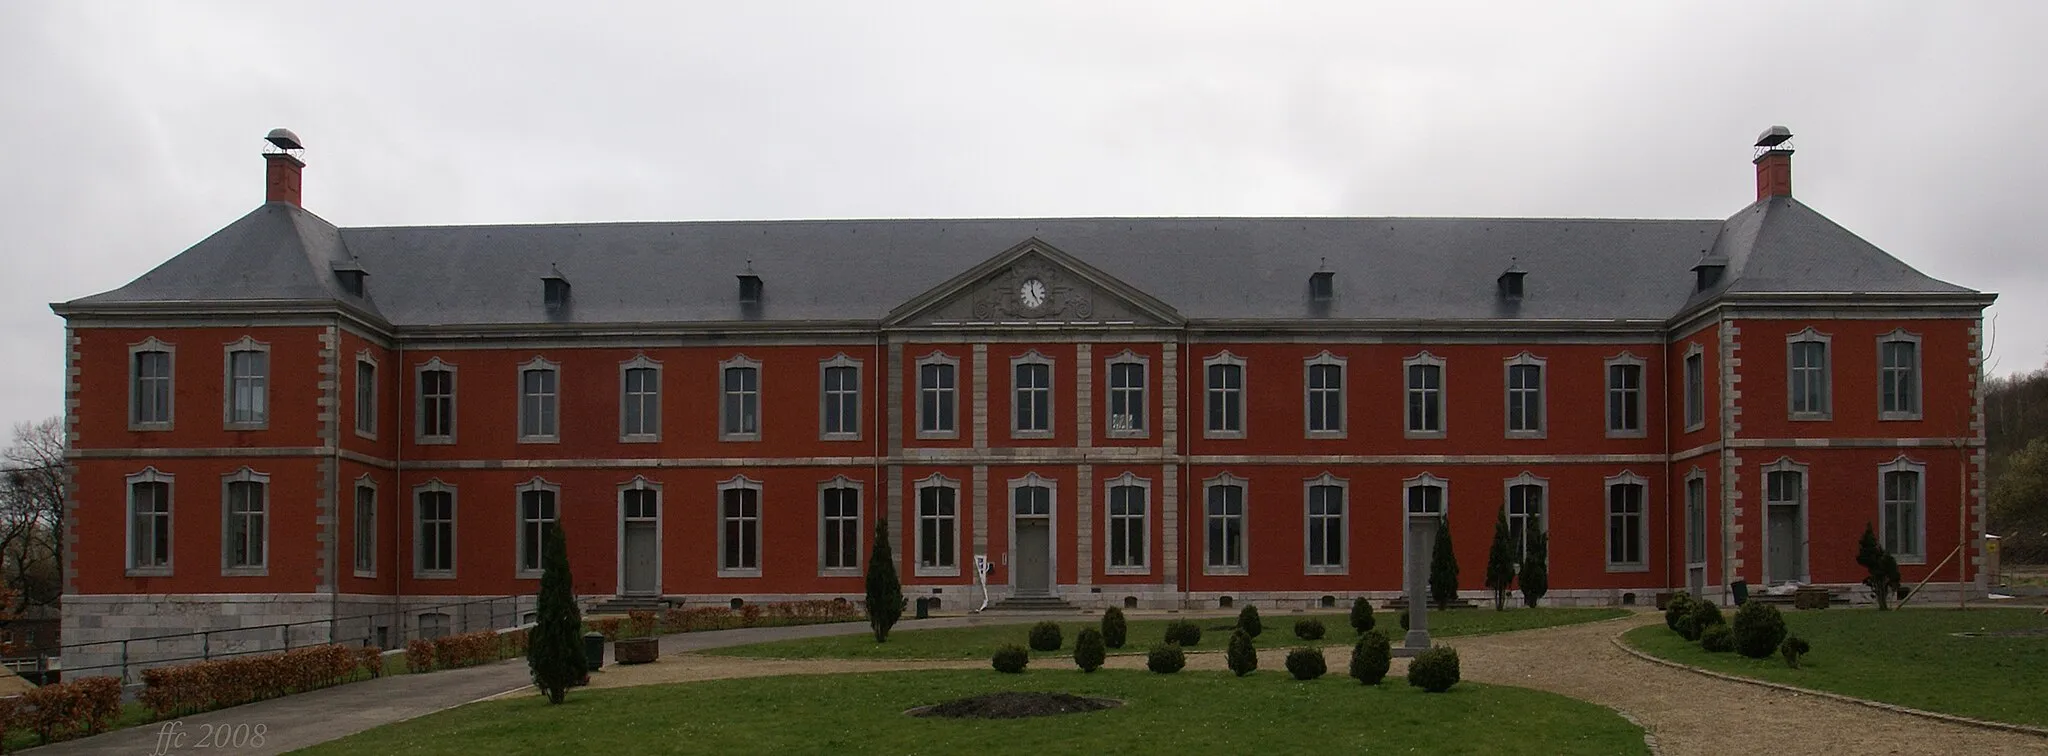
(130, 130)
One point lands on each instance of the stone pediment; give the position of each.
(1033, 283)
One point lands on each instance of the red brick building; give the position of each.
(291, 420)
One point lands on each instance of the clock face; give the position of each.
(1032, 292)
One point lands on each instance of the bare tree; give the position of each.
(32, 493)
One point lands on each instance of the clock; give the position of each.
(1032, 292)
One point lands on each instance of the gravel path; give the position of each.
(1687, 713)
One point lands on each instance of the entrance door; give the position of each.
(640, 542)
(640, 568)
(1787, 557)
(1033, 569)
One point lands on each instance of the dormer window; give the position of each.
(555, 291)
(352, 280)
(1707, 274)
(1511, 283)
(750, 289)
(1322, 286)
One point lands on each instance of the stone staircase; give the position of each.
(1031, 604)
(624, 604)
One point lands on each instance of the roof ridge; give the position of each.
(1029, 218)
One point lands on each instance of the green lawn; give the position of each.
(1191, 712)
(1909, 657)
(980, 641)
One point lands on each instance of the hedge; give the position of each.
(61, 711)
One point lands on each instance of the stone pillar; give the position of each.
(1421, 541)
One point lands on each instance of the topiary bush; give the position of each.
(1113, 628)
(1434, 670)
(1717, 639)
(1088, 652)
(1248, 621)
(1010, 659)
(1184, 633)
(1680, 606)
(1793, 648)
(1688, 627)
(1243, 657)
(1306, 663)
(1759, 630)
(1045, 636)
(1706, 614)
(1166, 659)
(1371, 658)
(1362, 620)
(1309, 629)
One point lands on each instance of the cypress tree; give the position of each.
(1361, 615)
(885, 590)
(1248, 621)
(1535, 576)
(1242, 656)
(1882, 566)
(1500, 562)
(554, 649)
(1443, 568)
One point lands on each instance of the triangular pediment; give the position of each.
(1029, 284)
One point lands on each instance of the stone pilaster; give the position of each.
(981, 509)
(892, 420)
(1732, 542)
(980, 395)
(326, 520)
(1084, 392)
(1084, 524)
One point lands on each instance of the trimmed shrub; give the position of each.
(1434, 670)
(1793, 648)
(1114, 630)
(181, 689)
(1362, 620)
(641, 623)
(1243, 657)
(554, 652)
(1371, 658)
(1706, 614)
(1306, 663)
(1688, 627)
(1759, 630)
(1717, 639)
(1166, 659)
(419, 655)
(64, 710)
(1309, 629)
(1088, 652)
(1404, 621)
(1184, 633)
(1534, 579)
(1882, 566)
(884, 588)
(1680, 606)
(1010, 659)
(1045, 636)
(369, 657)
(1443, 568)
(1248, 621)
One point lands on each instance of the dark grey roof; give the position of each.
(859, 270)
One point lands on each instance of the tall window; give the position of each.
(246, 530)
(366, 396)
(840, 509)
(1901, 511)
(938, 526)
(1696, 521)
(1695, 389)
(366, 528)
(536, 511)
(1525, 517)
(1225, 527)
(1624, 397)
(1626, 524)
(1127, 527)
(1807, 355)
(1325, 377)
(249, 385)
(640, 400)
(840, 416)
(1032, 408)
(1525, 396)
(1032, 501)
(437, 402)
(1898, 377)
(1426, 500)
(1325, 525)
(1425, 381)
(1225, 392)
(937, 397)
(1127, 396)
(149, 399)
(739, 528)
(149, 521)
(539, 401)
(739, 409)
(436, 530)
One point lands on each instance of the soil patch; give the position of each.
(1014, 705)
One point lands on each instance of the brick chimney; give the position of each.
(1774, 163)
(282, 167)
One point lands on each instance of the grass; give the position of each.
(1908, 657)
(978, 642)
(1190, 712)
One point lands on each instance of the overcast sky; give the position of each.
(131, 131)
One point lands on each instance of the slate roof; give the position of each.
(859, 270)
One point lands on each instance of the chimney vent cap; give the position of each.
(1774, 136)
(284, 139)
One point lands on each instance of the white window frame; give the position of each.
(826, 396)
(1143, 427)
(261, 391)
(168, 522)
(519, 390)
(650, 419)
(170, 380)
(1343, 486)
(361, 533)
(1309, 391)
(366, 411)
(535, 485)
(725, 419)
(947, 398)
(1695, 387)
(1244, 550)
(741, 483)
(1642, 515)
(419, 372)
(1235, 419)
(1507, 490)
(920, 565)
(1144, 518)
(1707, 521)
(1542, 395)
(1827, 375)
(1902, 464)
(1017, 399)
(1805, 505)
(638, 483)
(1913, 373)
(1408, 486)
(419, 531)
(860, 501)
(1641, 391)
(1052, 523)
(227, 566)
(1409, 390)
